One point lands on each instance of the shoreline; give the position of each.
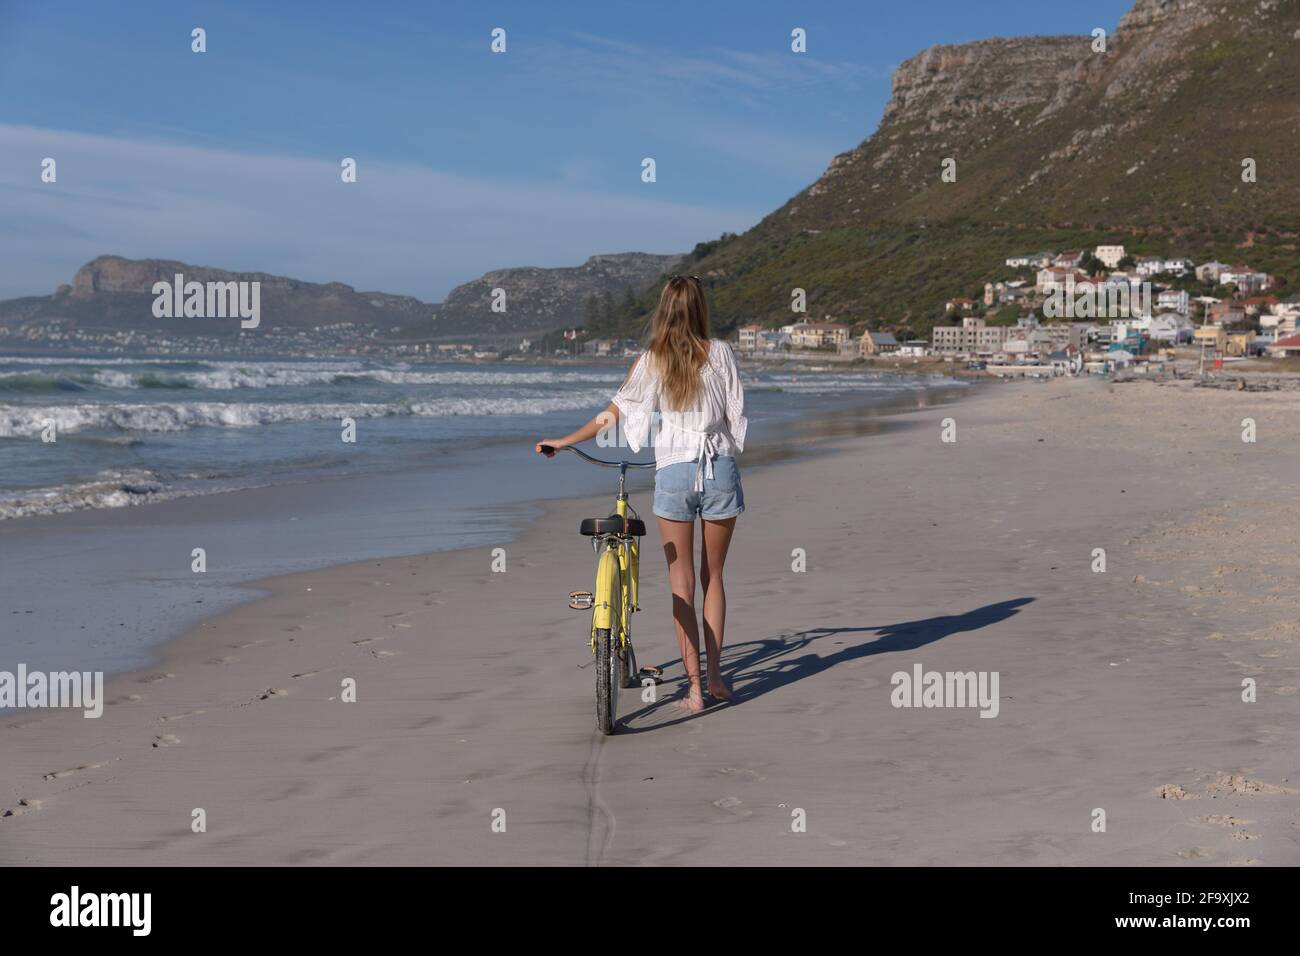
(472, 691)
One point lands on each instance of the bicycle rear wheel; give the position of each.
(608, 659)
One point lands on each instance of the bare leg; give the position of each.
(679, 549)
(713, 555)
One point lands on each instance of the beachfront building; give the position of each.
(973, 337)
(1109, 256)
(747, 337)
(815, 335)
(1212, 336)
(877, 343)
(1288, 347)
(913, 348)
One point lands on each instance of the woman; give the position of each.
(694, 387)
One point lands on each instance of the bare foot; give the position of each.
(718, 688)
(693, 701)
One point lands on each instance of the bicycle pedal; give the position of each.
(581, 600)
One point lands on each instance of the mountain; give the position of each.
(1056, 147)
(541, 300)
(112, 296)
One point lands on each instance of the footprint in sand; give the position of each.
(24, 806)
(383, 654)
(273, 692)
(741, 773)
(223, 660)
(59, 774)
(166, 740)
(188, 713)
(1223, 820)
(304, 674)
(368, 640)
(242, 644)
(152, 678)
(1197, 853)
(128, 699)
(294, 627)
(734, 806)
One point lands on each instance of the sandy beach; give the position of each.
(1118, 690)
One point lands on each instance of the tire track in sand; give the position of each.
(600, 818)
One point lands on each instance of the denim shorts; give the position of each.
(677, 499)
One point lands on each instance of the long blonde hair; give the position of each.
(679, 340)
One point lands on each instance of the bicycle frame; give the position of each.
(621, 558)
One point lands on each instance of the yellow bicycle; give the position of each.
(616, 541)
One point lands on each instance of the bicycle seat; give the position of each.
(613, 525)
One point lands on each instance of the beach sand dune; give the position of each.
(471, 739)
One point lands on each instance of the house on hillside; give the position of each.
(1246, 279)
(1210, 271)
(1149, 266)
(1173, 300)
(1031, 260)
(1226, 312)
(1109, 256)
(747, 337)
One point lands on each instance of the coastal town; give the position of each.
(1096, 311)
(1099, 311)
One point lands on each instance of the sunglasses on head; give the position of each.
(697, 279)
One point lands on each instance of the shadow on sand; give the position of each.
(755, 668)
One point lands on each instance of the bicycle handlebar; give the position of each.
(551, 449)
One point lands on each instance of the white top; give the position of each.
(714, 425)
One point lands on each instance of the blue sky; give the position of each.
(468, 161)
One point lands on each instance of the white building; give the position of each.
(1174, 300)
(1210, 271)
(1109, 255)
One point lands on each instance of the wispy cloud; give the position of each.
(702, 72)
(400, 228)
